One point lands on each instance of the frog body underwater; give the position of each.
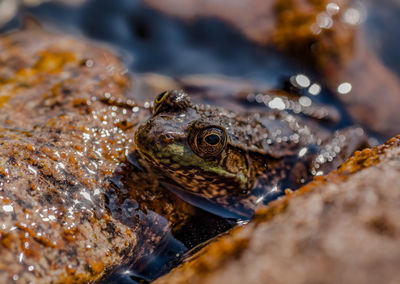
(230, 163)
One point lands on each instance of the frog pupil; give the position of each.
(212, 139)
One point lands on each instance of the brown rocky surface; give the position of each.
(53, 224)
(340, 228)
(325, 35)
(66, 125)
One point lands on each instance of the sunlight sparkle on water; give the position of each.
(314, 89)
(353, 16)
(8, 208)
(303, 151)
(344, 88)
(305, 101)
(324, 21)
(332, 8)
(302, 80)
(277, 103)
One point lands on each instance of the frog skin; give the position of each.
(230, 163)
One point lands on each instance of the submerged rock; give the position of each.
(340, 228)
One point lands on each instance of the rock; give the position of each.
(59, 143)
(66, 126)
(340, 228)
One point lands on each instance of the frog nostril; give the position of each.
(167, 138)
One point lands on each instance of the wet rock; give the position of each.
(67, 120)
(59, 143)
(340, 228)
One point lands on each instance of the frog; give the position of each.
(231, 163)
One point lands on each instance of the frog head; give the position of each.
(196, 147)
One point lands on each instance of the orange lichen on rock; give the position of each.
(96, 266)
(308, 31)
(48, 62)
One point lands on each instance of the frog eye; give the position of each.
(158, 102)
(209, 142)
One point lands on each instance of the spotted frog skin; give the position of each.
(229, 163)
